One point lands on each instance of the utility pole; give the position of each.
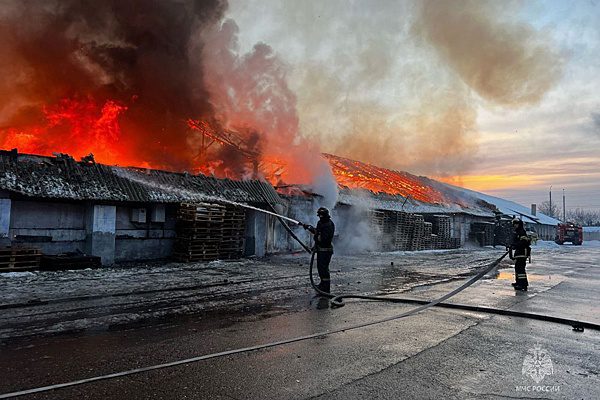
(550, 210)
(564, 208)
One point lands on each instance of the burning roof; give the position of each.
(352, 174)
(62, 177)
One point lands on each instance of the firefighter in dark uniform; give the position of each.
(520, 250)
(323, 236)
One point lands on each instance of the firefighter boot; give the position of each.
(324, 286)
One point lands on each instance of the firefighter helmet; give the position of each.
(517, 222)
(323, 212)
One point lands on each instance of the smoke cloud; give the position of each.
(398, 84)
(249, 91)
(134, 54)
(505, 62)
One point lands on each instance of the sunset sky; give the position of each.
(369, 86)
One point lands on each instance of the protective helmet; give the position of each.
(516, 221)
(323, 212)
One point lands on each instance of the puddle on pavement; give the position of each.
(510, 276)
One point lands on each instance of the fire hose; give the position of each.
(336, 301)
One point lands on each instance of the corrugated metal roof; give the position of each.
(62, 177)
(511, 208)
(382, 201)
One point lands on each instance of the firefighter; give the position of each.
(519, 251)
(323, 236)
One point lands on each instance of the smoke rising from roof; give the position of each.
(398, 84)
(131, 52)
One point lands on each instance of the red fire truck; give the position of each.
(569, 232)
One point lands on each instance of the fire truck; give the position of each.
(569, 232)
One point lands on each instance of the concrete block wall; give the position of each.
(96, 229)
(145, 240)
(100, 232)
(50, 226)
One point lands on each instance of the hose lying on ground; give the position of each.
(338, 300)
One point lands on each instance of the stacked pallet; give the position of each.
(454, 243)
(418, 225)
(441, 226)
(390, 223)
(19, 259)
(209, 231)
(483, 233)
(199, 232)
(233, 232)
(404, 231)
(427, 237)
(375, 220)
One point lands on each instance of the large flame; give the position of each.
(80, 127)
(358, 175)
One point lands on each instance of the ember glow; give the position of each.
(357, 175)
(74, 127)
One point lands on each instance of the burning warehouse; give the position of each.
(58, 205)
(164, 86)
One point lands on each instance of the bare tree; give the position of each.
(545, 208)
(584, 217)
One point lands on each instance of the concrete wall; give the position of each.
(102, 230)
(144, 240)
(50, 226)
(142, 249)
(5, 211)
(256, 234)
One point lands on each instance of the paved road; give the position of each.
(437, 354)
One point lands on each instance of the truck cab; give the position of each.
(569, 232)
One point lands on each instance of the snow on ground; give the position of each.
(40, 303)
(545, 244)
(52, 302)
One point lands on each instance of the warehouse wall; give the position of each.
(52, 227)
(144, 240)
(104, 230)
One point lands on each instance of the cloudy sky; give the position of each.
(501, 97)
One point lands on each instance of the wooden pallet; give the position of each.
(19, 259)
(209, 231)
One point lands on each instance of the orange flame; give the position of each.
(74, 127)
(80, 127)
(358, 175)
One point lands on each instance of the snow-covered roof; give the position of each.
(512, 208)
(380, 201)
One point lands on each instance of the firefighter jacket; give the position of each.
(323, 235)
(520, 243)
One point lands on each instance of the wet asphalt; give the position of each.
(439, 353)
